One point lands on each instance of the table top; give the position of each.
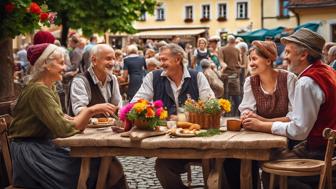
(105, 137)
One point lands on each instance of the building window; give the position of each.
(189, 12)
(222, 11)
(242, 10)
(206, 11)
(143, 17)
(160, 14)
(283, 8)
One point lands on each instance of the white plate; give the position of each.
(95, 124)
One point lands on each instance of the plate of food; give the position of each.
(101, 122)
(185, 129)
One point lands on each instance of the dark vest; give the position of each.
(164, 92)
(96, 95)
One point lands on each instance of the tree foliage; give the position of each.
(101, 15)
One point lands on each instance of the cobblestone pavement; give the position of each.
(140, 173)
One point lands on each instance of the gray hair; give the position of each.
(175, 50)
(132, 49)
(231, 39)
(205, 63)
(39, 69)
(96, 49)
(310, 58)
(153, 61)
(332, 51)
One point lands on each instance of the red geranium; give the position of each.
(9, 7)
(44, 16)
(35, 8)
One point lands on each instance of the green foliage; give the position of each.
(16, 17)
(101, 15)
(209, 133)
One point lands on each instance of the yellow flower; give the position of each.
(225, 104)
(139, 107)
(164, 114)
(150, 112)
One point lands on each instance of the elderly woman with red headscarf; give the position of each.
(268, 96)
(38, 118)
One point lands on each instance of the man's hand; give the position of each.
(104, 108)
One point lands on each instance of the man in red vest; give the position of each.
(314, 105)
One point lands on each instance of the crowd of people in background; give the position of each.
(225, 67)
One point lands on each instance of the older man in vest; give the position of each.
(173, 85)
(98, 85)
(314, 99)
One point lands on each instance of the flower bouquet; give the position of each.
(206, 113)
(143, 114)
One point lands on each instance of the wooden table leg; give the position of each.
(84, 173)
(215, 176)
(246, 174)
(103, 171)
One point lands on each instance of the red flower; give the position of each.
(9, 7)
(44, 16)
(35, 8)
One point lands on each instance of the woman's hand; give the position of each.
(257, 125)
(250, 114)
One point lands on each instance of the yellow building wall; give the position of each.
(325, 16)
(175, 15)
(271, 13)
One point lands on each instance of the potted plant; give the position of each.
(188, 20)
(206, 113)
(143, 114)
(221, 19)
(205, 19)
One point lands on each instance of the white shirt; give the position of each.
(249, 101)
(146, 90)
(79, 96)
(308, 98)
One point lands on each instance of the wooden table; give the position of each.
(245, 145)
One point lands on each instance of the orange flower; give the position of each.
(164, 114)
(150, 112)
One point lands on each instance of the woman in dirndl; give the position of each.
(38, 118)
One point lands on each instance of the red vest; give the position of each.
(325, 77)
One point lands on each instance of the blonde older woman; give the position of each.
(38, 118)
(200, 53)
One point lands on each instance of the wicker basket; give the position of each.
(206, 121)
(142, 124)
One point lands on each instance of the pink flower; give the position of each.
(159, 111)
(158, 104)
(124, 111)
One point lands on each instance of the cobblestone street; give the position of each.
(140, 173)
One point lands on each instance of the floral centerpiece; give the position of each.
(143, 114)
(206, 113)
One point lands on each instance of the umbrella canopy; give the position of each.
(260, 34)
